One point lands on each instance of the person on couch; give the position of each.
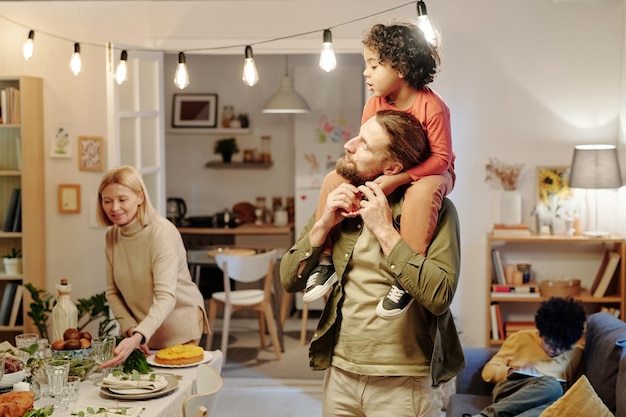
(534, 367)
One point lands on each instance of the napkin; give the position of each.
(127, 382)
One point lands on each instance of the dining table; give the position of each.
(181, 384)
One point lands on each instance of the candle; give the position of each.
(21, 386)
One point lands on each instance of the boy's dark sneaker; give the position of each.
(395, 303)
(319, 282)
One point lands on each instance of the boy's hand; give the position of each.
(389, 183)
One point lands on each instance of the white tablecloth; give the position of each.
(169, 405)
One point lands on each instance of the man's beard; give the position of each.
(348, 171)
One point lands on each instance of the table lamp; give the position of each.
(595, 167)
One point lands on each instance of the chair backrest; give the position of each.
(208, 383)
(246, 268)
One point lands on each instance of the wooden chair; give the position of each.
(245, 269)
(202, 404)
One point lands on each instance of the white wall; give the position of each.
(525, 81)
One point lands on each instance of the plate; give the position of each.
(207, 357)
(172, 383)
(8, 380)
(131, 391)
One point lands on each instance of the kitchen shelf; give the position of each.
(209, 131)
(238, 165)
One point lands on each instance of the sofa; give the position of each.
(604, 368)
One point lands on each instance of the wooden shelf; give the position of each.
(554, 257)
(238, 165)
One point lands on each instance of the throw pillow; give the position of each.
(579, 400)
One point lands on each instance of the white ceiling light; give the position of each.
(286, 99)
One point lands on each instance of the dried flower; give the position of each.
(502, 175)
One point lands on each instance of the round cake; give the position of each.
(179, 355)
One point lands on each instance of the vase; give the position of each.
(227, 157)
(12, 266)
(510, 207)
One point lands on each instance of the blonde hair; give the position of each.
(130, 178)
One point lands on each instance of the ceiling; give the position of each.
(207, 26)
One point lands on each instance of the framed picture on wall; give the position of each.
(90, 153)
(195, 110)
(69, 198)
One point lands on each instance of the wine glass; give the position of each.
(57, 371)
(101, 351)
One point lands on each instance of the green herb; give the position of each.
(90, 411)
(137, 362)
(40, 412)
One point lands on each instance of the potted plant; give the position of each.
(13, 262)
(227, 147)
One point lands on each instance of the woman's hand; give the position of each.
(125, 348)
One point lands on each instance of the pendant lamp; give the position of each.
(286, 99)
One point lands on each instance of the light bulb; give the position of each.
(250, 75)
(122, 68)
(75, 62)
(424, 23)
(27, 48)
(181, 78)
(328, 62)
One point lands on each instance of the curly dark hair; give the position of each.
(561, 321)
(404, 46)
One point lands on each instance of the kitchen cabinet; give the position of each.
(247, 235)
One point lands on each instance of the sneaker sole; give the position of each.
(320, 290)
(391, 314)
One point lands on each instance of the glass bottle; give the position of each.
(266, 152)
(64, 313)
(227, 115)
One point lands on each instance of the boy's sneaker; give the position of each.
(395, 303)
(319, 282)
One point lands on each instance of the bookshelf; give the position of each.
(552, 257)
(22, 167)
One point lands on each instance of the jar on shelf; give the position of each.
(266, 151)
(244, 120)
(227, 115)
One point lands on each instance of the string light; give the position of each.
(328, 62)
(121, 73)
(28, 47)
(75, 62)
(424, 23)
(181, 78)
(250, 75)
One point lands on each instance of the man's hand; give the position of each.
(341, 203)
(376, 215)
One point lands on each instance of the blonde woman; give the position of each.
(149, 287)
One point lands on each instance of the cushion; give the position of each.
(470, 381)
(579, 400)
(604, 336)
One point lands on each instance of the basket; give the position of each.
(560, 288)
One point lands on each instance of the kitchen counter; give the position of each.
(244, 229)
(247, 235)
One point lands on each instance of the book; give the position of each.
(497, 266)
(515, 295)
(605, 274)
(523, 289)
(17, 304)
(501, 333)
(7, 302)
(511, 327)
(494, 322)
(9, 218)
(611, 310)
(17, 222)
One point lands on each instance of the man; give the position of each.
(376, 367)
(532, 366)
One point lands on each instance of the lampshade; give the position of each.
(286, 100)
(595, 166)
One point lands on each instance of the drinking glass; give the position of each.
(101, 351)
(70, 392)
(57, 371)
(25, 340)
